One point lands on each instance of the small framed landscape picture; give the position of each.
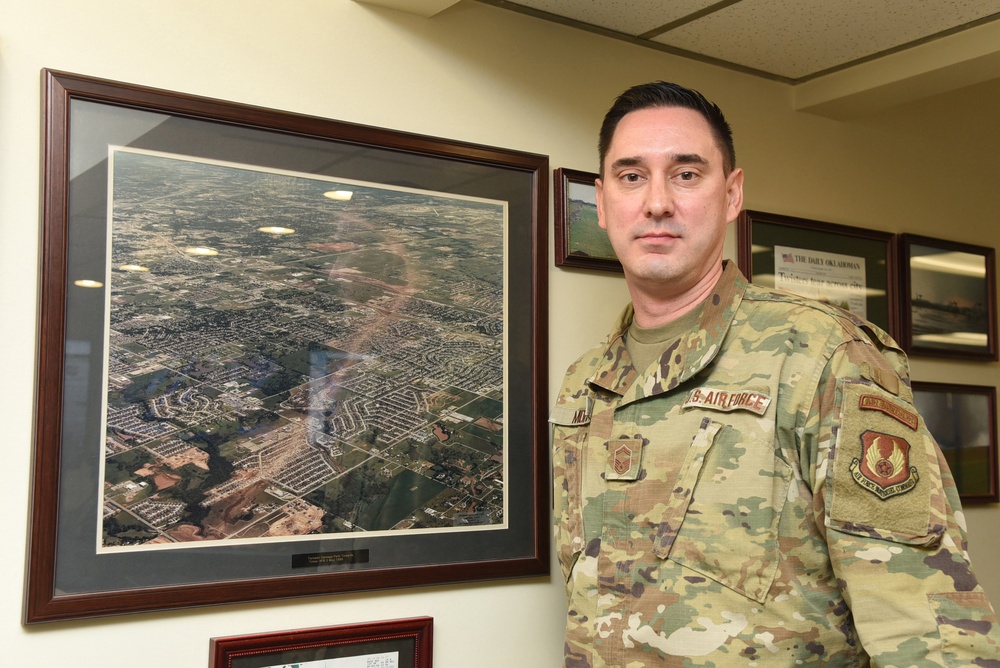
(962, 419)
(579, 240)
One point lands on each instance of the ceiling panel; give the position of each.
(787, 40)
(803, 38)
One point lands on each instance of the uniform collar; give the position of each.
(684, 357)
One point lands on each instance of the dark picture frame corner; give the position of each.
(963, 420)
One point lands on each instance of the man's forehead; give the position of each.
(676, 121)
(679, 131)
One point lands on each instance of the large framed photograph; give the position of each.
(949, 298)
(846, 266)
(280, 355)
(579, 240)
(963, 420)
(400, 643)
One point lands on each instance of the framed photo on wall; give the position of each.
(280, 355)
(399, 643)
(847, 266)
(963, 420)
(579, 240)
(949, 298)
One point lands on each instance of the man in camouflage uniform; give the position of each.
(741, 478)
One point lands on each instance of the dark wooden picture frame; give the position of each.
(963, 420)
(411, 640)
(579, 241)
(948, 298)
(758, 234)
(89, 120)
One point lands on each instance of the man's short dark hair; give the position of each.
(664, 94)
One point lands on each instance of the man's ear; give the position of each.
(599, 198)
(734, 193)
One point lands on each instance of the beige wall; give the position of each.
(474, 73)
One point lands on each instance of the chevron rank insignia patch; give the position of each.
(624, 459)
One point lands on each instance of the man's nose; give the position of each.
(659, 198)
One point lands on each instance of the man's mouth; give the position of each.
(657, 235)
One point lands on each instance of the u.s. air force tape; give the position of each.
(726, 400)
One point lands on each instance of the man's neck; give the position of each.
(653, 309)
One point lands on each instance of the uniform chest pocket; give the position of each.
(723, 515)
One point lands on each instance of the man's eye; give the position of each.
(630, 178)
(687, 176)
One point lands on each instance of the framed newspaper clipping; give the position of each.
(850, 267)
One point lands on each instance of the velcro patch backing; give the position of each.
(879, 462)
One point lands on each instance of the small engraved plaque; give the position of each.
(343, 558)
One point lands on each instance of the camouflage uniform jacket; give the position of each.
(765, 495)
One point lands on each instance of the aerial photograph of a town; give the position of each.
(291, 355)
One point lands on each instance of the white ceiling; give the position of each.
(843, 58)
(789, 40)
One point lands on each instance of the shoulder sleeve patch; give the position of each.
(879, 462)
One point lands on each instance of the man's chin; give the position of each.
(662, 273)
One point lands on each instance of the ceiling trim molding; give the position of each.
(424, 8)
(962, 59)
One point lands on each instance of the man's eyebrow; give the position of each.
(689, 159)
(626, 162)
(682, 158)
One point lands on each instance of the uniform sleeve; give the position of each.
(570, 420)
(894, 525)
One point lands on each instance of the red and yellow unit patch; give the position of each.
(884, 466)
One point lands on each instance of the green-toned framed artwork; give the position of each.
(579, 240)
